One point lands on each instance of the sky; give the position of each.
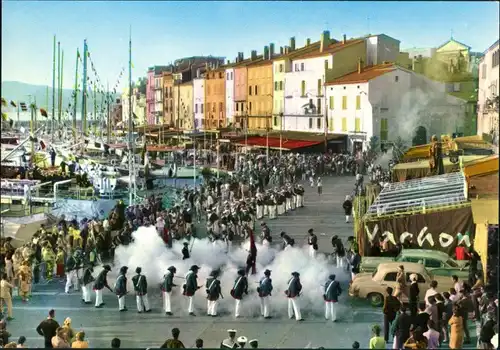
(165, 31)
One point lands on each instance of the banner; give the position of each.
(442, 230)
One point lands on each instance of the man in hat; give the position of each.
(86, 283)
(141, 291)
(166, 287)
(71, 272)
(242, 341)
(312, 240)
(121, 288)
(240, 287)
(254, 343)
(185, 251)
(213, 290)
(331, 297)
(230, 343)
(191, 286)
(293, 293)
(99, 284)
(264, 289)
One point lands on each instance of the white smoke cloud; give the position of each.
(149, 252)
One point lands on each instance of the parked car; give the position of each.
(436, 261)
(372, 286)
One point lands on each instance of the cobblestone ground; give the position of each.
(323, 213)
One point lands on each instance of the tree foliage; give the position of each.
(420, 137)
(399, 148)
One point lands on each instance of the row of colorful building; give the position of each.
(357, 88)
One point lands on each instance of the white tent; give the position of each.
(21, 229)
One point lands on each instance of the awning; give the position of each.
(258, 141)
(163, 148)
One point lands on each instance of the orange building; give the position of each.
(215, 93)
(168, 100)
(260, 92)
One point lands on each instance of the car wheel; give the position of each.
(376, 299)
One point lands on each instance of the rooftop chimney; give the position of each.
(324, 41)
(253, 55)
(287, 50)
(359, 65)
(271, 51)
(344, 38)
(308, 41)
(240, 55)
(292, 44)
(266, 52)
(228, 61)
(282, 50)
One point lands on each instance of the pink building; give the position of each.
(150, 96)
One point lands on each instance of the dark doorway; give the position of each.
(420, 136)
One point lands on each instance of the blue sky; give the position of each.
(164, 31)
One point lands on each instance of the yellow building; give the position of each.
(186, 109)
(260, 92)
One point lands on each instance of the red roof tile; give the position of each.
(366, 74)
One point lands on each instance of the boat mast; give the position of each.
(53, 86)
(76, 95)
(61, 88)
(131, 157)
(58, 85)
(109, 115)
(84, 89)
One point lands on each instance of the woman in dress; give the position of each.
(400, 283)
(25, 277)
(456, 329)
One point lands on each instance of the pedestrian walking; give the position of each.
(47, 329)
(141, 291)
(99, 284)
(239, 289)
(331, 298)
(6, 295)
(293, 294)
(166, 287)
(121, 288)
(264, 290)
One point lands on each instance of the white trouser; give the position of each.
(297, 201)
(347, 217)
(293, 202)
(142, 303)
(237, 308)
(266, 210)
(212, 307)
(166, 301)
(191, 304)
(98, 297)
(331, 310)
(86, 288)
(301, 200)
(264, 306)
(79, 272)
(121, 302)
(272, 211)
(294, 308)
(70, 278)
(312, 251)
(281, 209)
(288, 204)
(340, 261)
(260, 211)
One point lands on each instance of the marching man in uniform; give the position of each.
(166, 287)
(121, 288)
(240, 287)
(230, 343)
(141, 291)
(313, 243)
(264, 289)
(213, 290)
(293, 293)
(191, 286)
(331, 297)
(87, 280)
(101, 282)
(71, 272)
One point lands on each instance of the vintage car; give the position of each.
(372, 286)
(436, 261)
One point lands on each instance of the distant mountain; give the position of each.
(19, 92)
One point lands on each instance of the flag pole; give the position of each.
(84, 89)
(130, 124)
(58, 85)
(61, 88)
(76, 94)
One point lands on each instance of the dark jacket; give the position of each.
(185, 253)
(240, 287)
(402, 328)
(101, 280)
(332, 291)
(213, 289)
(294, 287)
(391, 306)
(487, 331)
(47, 329)
(414, 293)
(121, 285)
(70, 264)
(355, 263)
(87, 276)
(140, 284)
(168, 282)
(347, 207)
(265, 287)
(313, 240)
(421, 321)
(191, 284)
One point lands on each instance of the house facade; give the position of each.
(199, 102)
(488, 91)
(260, 92)
(168, 99)
(186, 109)
(229, 86)
(150, 96)
(158, 99)
(240, 91)
(215, 98)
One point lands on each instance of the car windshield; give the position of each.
(451, 263)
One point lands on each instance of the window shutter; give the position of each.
(344, 102)
(344, 124)
(332, 101)
(358, 102)
(357, 125)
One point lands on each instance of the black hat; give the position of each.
(172, 269)
(267, 272)
(124, 269)
(241, 272)
(214, 273)
(282, 233)
(186, 243)
(295, 274)
(194, 267)
(332, 277)
(107, 267)
(138, 270)
(310, 230)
